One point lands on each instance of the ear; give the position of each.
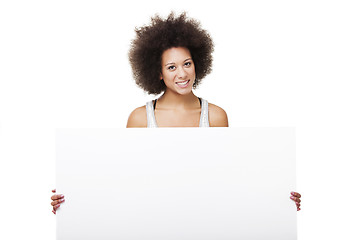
(161, 76)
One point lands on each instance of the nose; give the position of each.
(181, 73)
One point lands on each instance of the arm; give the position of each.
(137, 118)
(217, 116)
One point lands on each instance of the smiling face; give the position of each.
(178, 70)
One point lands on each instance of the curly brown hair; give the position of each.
(161, 34)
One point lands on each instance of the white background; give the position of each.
(276, 63)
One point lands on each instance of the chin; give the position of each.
(184, 91)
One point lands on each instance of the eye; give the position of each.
(171, 67)
(187, 64)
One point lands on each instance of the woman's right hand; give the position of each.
(57, 199)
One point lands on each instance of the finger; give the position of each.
(54, 212)
(54, 190)
(56, 207)
(57, 196)
(295, 199)
(297, 204)
(53, 203)
(295, 194)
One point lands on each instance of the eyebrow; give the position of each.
(174, 63)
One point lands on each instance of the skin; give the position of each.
(178, 106)
(57, 199)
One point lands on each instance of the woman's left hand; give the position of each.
(296, 198)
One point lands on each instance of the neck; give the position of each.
(173, 100)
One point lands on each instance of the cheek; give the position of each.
(169, 75)
(192, 71)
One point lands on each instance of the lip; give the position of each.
(183, 85)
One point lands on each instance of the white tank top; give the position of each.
(204, 116)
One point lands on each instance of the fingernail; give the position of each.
(292, 192)
(292, 198)
(61, 195)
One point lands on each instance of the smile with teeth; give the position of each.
(183, 83)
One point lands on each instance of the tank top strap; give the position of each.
(204, 117)
(150, 115)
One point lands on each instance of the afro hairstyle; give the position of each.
(162, 34)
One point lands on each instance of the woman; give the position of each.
(172, 56)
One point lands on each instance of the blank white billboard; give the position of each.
(176, 183)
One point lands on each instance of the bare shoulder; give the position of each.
(137, 118)
(217, 116)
